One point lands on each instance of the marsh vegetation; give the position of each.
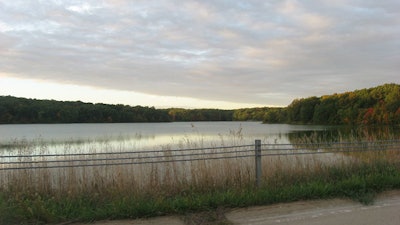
(64, 190)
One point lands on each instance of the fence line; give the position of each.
(47, 161)
(123, 158)
(124, 163)
(125, 152)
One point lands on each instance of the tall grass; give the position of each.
(143, 190)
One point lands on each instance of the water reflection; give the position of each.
(59, 138)
(82, 138)
(345, 134)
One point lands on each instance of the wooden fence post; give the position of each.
(258, 162)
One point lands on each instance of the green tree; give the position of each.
(326, 111)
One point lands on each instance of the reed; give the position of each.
(142, 190)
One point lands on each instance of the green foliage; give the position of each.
(255, 114)
(266, 114)
(275, 115)
(177, 114)
(379, 105)
(22, 110)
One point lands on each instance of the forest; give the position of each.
(372, 106)
(378, 105)
(15, 110)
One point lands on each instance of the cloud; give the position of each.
(240, 51)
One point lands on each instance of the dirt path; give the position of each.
(385, 211)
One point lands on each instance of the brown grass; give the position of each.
(172, 177)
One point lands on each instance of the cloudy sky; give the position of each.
(196, 54)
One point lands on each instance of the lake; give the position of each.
(140, 136)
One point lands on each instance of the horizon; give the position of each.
(47, 99)
(191, 54)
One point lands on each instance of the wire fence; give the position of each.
(257, 150)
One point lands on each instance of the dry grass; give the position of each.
(162, 182)
(171, 177)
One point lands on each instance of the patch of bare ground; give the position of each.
(216, 217)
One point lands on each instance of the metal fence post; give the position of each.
(258, 162)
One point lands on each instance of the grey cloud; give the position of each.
(239, 51)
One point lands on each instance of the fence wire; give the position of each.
(68, 160)
(126, 152)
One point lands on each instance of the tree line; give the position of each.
(21, 110)
(379, 105)
(14, 110)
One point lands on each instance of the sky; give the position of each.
(223, 54)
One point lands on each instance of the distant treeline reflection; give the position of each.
(379, 105)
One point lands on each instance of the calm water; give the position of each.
(123, 136)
